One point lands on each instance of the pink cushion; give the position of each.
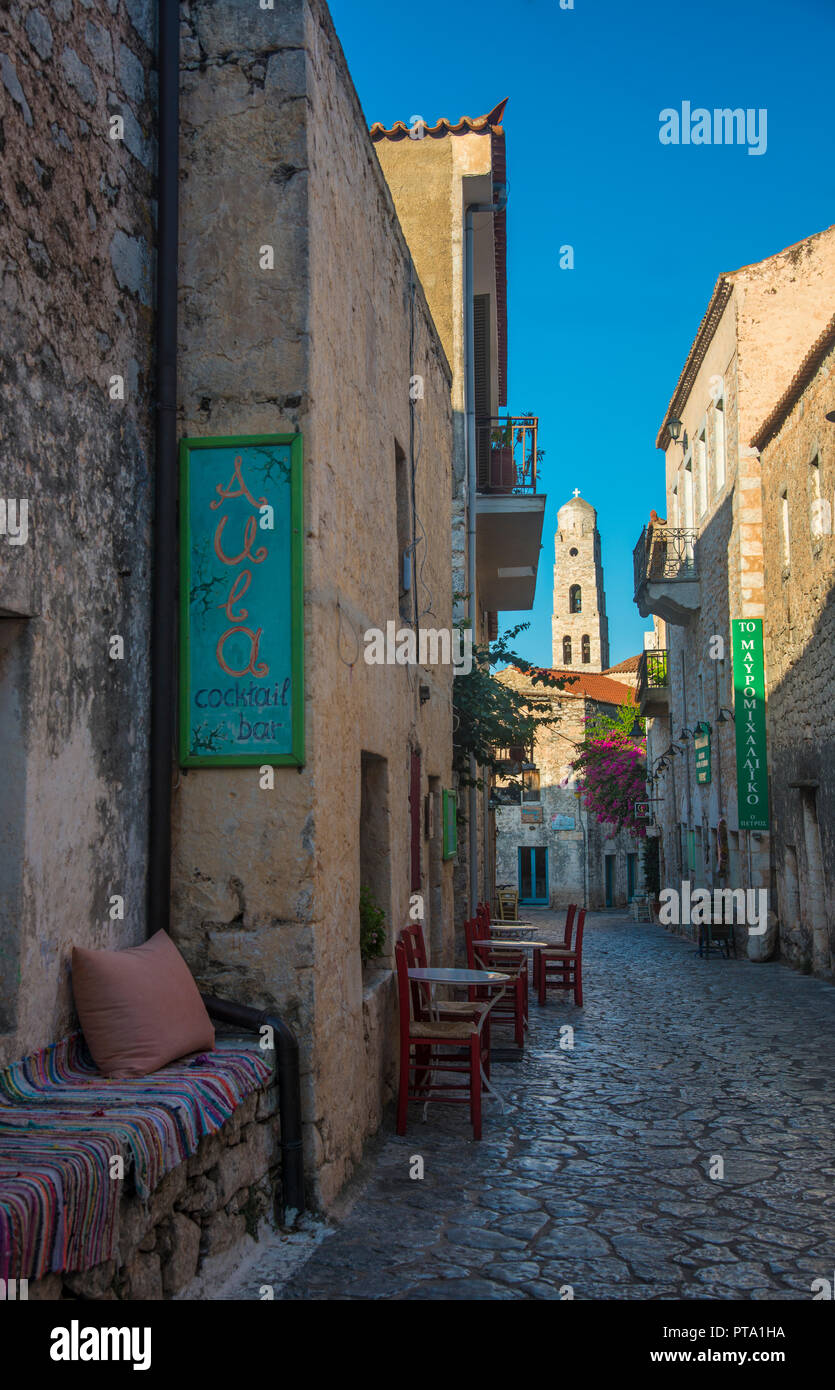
(140, 1008)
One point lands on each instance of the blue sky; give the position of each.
(596, 351)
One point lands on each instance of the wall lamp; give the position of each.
(636, 731)
(685, 734)
(724, 714)
(678, 433)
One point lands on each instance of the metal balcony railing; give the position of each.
(507, 453)
(653, 673)
(664, 555)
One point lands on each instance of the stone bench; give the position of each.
(210, 1147)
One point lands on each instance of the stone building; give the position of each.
(77, 414)
(301, 314)
(579, 626)
(267, 882)
(796, 444)
(547, 845)
(449, 185)
(701, 571)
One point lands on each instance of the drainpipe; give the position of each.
(469, 379)
(163, 630)
(289, 1089)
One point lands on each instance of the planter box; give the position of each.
(502, 469)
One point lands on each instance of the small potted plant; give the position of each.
(372, 926)
(502, 466)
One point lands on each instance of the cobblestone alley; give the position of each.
(598, 1174)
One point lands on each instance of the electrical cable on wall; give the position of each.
(354, 633)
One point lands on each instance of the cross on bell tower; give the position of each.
(579, 626)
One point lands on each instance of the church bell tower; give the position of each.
(579, 626)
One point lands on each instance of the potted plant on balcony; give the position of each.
(502, 466)
(530, 465)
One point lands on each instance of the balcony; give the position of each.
(509, 511)
(653, 689)
(507, 454)
(667, 574)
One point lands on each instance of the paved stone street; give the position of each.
(598, 1175)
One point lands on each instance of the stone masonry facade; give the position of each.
(275, 151)
(798, 489)
(200, 1211)
(759, 322)
(77, 240)
(578, 566)
(577, 854)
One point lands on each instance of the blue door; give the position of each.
(631, 876)
(533, 874)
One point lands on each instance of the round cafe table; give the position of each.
(432, 975)
(519, 945)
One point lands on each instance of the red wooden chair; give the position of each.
(511, 1007)
(446, 1009)
(566, 942)
(438, 1045)
(560, 968)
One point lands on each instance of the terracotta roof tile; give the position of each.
(590, 685)
(467, 125)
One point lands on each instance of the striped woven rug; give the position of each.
(61, 1122)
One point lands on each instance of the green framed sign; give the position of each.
(450, 824)
(749, 713)
(701, 743)
(241, 601)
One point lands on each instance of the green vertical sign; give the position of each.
(701, 743)
(450, 824)
(749, 711)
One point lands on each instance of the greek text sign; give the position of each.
(241, 601)
(701, 743)
(749, 711)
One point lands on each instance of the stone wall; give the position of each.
(201, 1209)
(576, 857)
(431, 179)
(774, 311)
(800, 671)
(275, 151)
(76, 279)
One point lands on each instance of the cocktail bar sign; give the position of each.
(241, 601)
